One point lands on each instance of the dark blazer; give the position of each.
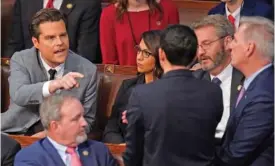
(9, 148)
(115, 130)
(82, 26)
(236, 83)
(43, 153)
(250, 129)
(172, 121)
(250, 8)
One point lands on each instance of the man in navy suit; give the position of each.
(66, 143)
(172, 121)
(249, 137)
(234, 9)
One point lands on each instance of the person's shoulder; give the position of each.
(217, 9)
(261, 4)
(82, 62)
(133, 81)
(95, 145)
(31, 152)
(109, 11)
(199, 73)
(25, 55)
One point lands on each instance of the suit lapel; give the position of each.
(222, 9)
(206, 76)
(85, 154)
(67, 6)
(236, 84)
(40, 71)
(70, 64)
(49, 148)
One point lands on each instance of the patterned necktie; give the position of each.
(217, 81)
(75, 161)
(240, 96)
(231, 19)
(50, 4)
(52, 73)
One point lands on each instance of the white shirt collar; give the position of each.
(60, 148)
(235, 13)
(225, 74)
(47, 67)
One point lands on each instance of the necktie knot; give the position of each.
(231, 19)
(217, 81)
(71, 150)
(52, 73)
(240, 96)
(50, 4)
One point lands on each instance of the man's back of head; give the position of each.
(178, 46)
(253, 44)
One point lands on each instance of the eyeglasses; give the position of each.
(206, 45)
(145, 53)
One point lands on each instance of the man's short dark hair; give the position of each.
(42, 16)
(179, 42)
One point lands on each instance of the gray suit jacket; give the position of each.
(27, 76)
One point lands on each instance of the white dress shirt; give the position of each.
(56, 3)
(59, 73)
(225, 76)
(61, 149)
(236, 14)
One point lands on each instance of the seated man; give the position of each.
(172, 121)
(234, 9)
(66, 142)
(214, 33)
(9, 148)
(249, 136)
(82, 23)
(47, 68)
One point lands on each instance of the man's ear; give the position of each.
(35, 42)
(250, 49)
(227, 41)
(162, 55)
(53, 125)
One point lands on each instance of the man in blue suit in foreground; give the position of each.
(66, 143)
(249, 136)
(234, 9)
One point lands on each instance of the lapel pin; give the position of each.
(239, 87)
(69, 5)
(85, 153)
(158, 23)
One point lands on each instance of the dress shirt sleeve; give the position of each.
(45, 89)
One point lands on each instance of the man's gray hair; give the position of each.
(219, 22)
(50, 109)
(261, 31)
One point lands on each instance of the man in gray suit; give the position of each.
(47, 68)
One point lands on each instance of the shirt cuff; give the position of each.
(45, 89)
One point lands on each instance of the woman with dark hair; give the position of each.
(122, 23)
(148, 70)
